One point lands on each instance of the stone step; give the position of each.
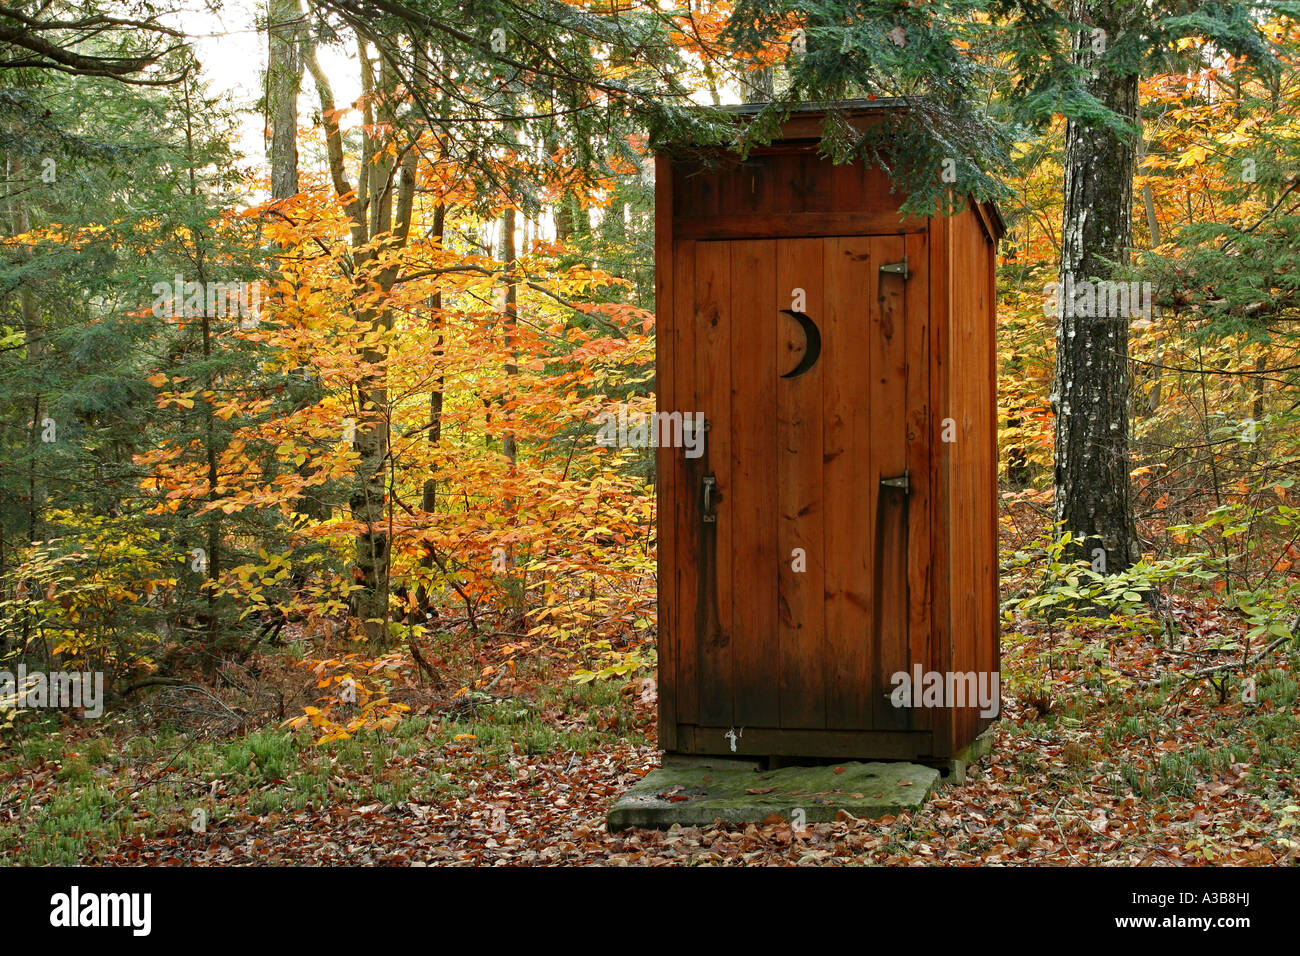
(699, 795)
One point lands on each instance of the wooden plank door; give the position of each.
(792, 598)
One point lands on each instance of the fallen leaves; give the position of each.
(1051, 793)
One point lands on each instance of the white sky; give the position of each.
(232, 55)
(231, 50)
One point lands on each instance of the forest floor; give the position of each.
(1113, 748)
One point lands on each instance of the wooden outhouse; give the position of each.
(837, 525)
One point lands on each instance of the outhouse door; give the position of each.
(797, 353)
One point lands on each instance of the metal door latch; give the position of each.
(689, 425)
(902, 482)
(897, 268)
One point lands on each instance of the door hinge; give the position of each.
(897, 268)
(902, 482)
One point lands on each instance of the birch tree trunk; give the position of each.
(283, 80)
(1091, 479)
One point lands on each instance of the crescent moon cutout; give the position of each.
(813, 348)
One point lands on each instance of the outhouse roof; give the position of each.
(807, 121)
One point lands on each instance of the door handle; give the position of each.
(902, 482)
(710, 483)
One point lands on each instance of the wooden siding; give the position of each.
(801, 659)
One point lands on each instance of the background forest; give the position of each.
(342, 534)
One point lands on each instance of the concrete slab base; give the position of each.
(701, 795)
(706, 762)
(954, 770)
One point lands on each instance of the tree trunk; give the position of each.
(370, 498)
(509, 255)
(759, 86)
(509, 320)
(389, 214)
(283, 80)
(565, 217)
(34, 336)
(285, 64)
(1093, 498)
(429, 497)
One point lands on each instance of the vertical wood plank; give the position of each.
(888, 453)
(801, 624)
(849, 493)
(942, 724)
(959, 451)
(685, 514)
(970, 346)
(666, 502)
(918, 462)
(712, 695)
(993, 587)
(968, 457)
(755, 654)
